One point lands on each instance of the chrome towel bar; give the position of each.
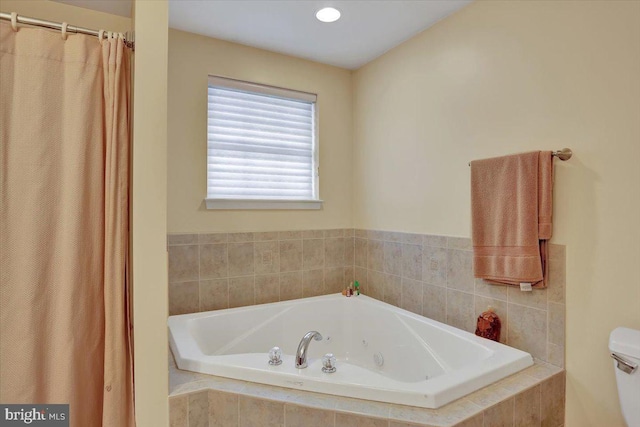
(564, 154)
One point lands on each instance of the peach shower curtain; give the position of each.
(64, 160)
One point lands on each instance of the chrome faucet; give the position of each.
(301, 354)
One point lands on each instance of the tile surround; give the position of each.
(426, 274)
(532, 397)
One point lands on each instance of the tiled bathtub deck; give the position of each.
(532, 397)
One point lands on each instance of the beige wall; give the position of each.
(60, 12)
(191, 59)
(503, 77)
(149, 213)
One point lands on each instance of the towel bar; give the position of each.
(564, 154)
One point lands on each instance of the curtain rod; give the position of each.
(564, 154)
(128, 37)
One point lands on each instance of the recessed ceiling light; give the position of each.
(328, 14)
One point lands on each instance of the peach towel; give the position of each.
(511, 205)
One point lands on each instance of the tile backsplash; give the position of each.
(426, 274)
(224, 270)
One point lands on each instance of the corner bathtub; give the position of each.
(425, 363)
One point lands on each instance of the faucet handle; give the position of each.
(328, 363)
(275, 356)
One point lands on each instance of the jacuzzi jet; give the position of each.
(378, 359)
(365, 343)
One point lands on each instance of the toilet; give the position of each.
(624, 345)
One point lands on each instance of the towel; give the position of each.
(511, 205)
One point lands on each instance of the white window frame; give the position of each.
(314, 203)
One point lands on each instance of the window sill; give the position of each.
(221, 204)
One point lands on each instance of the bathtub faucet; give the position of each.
(301, 354)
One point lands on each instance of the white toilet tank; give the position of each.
(624, 344)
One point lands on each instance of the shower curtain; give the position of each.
(64, 183)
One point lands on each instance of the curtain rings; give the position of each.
(64, 30)
(100, 36)
(14, 21)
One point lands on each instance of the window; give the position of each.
(261, 147)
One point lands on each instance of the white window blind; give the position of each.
(261, 143)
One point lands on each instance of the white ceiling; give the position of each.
(366, 30)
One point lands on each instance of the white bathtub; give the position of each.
(426, 363)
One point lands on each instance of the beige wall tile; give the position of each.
(182, 239)
(241, 291)
(266, 257)
(490, 290)
(334, 233)
(265, 236)
(392, 292)
(214, 294)
(500, 415)
(213, 261)
(412, 295)
(349, 276)
(360, 234)
(349, 252)
(178, 411)
(300, 416)
(434, 302)
(241, 259)
(434, 241)
(334, 280)
(392, 236)
(290, 255)
(462, 243)
(374, 284)
(537, 298)
(557, 280)
(412, 261)
(199, 409)
(259, 412)
(223, 409)
(289, 235)
(183, 263)
(375, 255)
(350, 420)
(434, 265)
(460, 310)
(183, 298)
(460, 270)
(527, 408)
(290, 285)
(267, 288)
(312, 254)
(313, 234)
(556, 323)
(334, 252)
(412, 238)
(552, 400)
(482, 304)
(209, 238)
(240, 237)
(555, 354)
(349, 232)
(313, 283)
(393, 258)
(360, 249)
(527, 330)
(368, 408)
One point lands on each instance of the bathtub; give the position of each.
(383, 353)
